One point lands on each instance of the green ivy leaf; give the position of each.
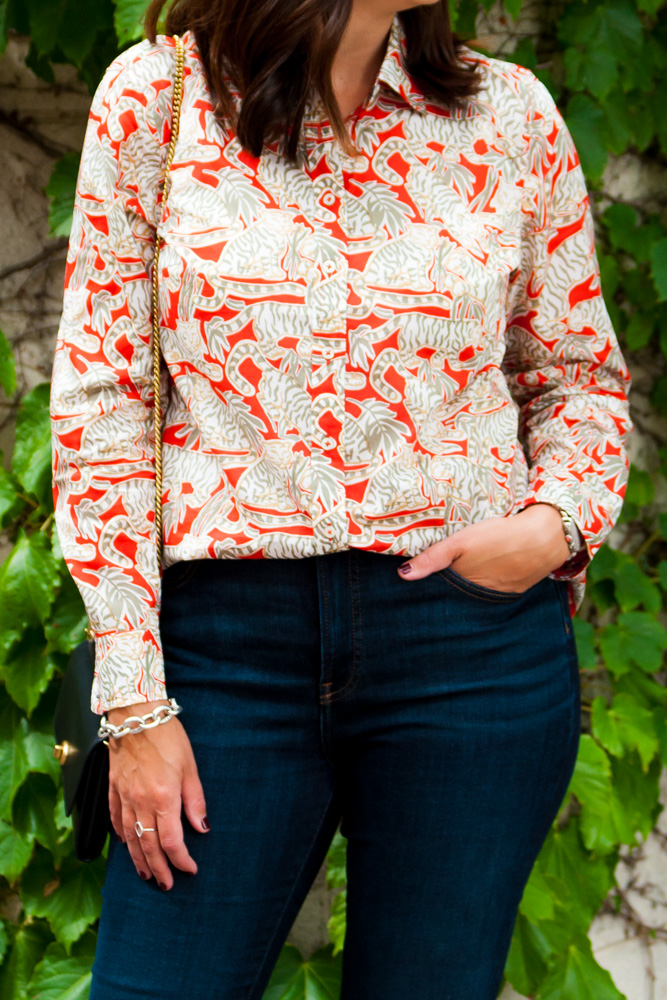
(577, 976)
(27, 670)
(68, 619)
(526, 964)
(600, 70)
(585, 121)
(603, 822)
(337, 922)
(297, 978)
(639, 331)
(634, 587)
(625, 726)
(128, 19)
(513, 8)
(587, 877)
(627, 236)
(27, 949)
(69, 899)
(61, 977)
(10, 504)
(658, 395)
(660, 723)
(23, 750)
(28, 582)
(637, 794)
(34, 811)
(31, 461)
(7, 367)
(643, 689)
(464, 17)
(650, 6)
(637, 639)
(15, 852)
(640, 489)
(540, 896)
(336, 858)
(68, 25)
(584, 635)
(61, 191)
(659, 268)
(591, 781)
(4, 940)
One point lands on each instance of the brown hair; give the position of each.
(276, 50)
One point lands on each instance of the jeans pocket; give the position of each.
(477, 590)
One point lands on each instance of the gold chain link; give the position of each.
(157, 400)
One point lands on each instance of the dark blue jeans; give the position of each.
(436, 719)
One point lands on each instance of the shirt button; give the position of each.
(327, 352)
(329, 443)
(328, 529)
(329, 266)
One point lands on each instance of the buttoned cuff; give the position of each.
(129, 667)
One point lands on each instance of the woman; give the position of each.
(394, 439)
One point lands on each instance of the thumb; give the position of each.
(194, 803)
(435, 557)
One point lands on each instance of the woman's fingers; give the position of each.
(170, 833)
(152, 775)
(154, 856)
(434, 558)
(194, 803)
(133, 845)
(116, 812)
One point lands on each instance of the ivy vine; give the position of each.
(605, 62)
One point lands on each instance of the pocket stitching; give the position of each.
(477, 590)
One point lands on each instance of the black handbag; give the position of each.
(83, 755)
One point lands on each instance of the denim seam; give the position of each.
(568, 632)
(291, 892)
(325, 626)
(328, 696)
(353, 679)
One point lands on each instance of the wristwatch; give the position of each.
(573, 537)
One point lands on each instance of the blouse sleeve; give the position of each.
(101, 390)
(563, 363)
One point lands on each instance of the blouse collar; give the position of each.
(393, 72)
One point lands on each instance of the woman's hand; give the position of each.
(151, 774)
(504, 553)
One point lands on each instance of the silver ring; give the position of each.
(140, 829)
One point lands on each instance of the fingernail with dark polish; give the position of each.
(144, 875)
(162, 886)
(405, 569)
(205, 825)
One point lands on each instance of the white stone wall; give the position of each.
(38, 123)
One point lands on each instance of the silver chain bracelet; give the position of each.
(137, 723)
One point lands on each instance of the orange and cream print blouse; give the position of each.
(365, 351)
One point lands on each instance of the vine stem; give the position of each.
(28, 499)
(47, 522)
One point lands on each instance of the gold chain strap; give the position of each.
(157, 401)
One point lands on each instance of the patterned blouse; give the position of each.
(360, 352)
